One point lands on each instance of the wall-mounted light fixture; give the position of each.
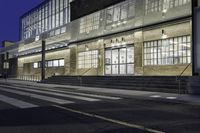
(86, 48)
(163, 35)
(124, 22)
(123, 41)
(164, 11)
(114, 25)
(119, 23)
(112, 43)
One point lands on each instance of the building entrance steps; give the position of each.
(173, 97)
(168, 84)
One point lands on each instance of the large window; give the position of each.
(120, 11)
(170, 51)
(50, 63)
(174, 3)
(52, 14)
(89, 23)
(160, 5)
(153, 6)
(88, 59)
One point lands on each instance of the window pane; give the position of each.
(35, 65)
(115, 69)
(115, 58)
(130, 69)
(61, 62)
(130, 55)
(116, 14)
(109, 15)
(122, 69)
(55, 63)
(108, 69)
(123, 55)
(108, 57)
(50, 63)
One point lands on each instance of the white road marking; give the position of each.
(57, 94)
(155, 96)
(90, 95)
(41, 97)
(16, 102)
(171, 98)
(131, 125)
(78, 93)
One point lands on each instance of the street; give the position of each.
(32, 109)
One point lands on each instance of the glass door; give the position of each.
(119, 61)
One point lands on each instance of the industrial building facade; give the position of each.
(125, 38)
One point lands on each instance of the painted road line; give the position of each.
(16, 102)
(57, 94)
(171, 98)
(77, 93)
(85, 94)
(155, 96)
(41, 97)
(131, 125)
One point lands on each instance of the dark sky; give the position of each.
(10, 11)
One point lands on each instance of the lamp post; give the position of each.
(43, 60)
(194, 4)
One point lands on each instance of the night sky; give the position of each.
(10, 12)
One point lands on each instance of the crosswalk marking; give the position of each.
(58, 94)
(41, 97)
(78, 93)
(16, 102)
(46, 94)
(84, 94)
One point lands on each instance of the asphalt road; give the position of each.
(29, 109)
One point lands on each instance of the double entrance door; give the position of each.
(119, 61)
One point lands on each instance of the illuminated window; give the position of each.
(55, 63)
(61, 62)
(35, 65)
(153, 6)
(50, 63)
(89, 23)
(120, 11)
(88, 59)
(169, 51)
(160, 5)
(6, 65)
(49, 15)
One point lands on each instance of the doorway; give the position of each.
(119, 61)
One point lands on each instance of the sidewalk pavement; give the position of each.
(179, 98)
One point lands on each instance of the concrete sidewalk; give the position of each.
(180, 98)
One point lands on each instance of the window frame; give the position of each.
(175, 52)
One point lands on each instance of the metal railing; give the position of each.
(178, 78)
